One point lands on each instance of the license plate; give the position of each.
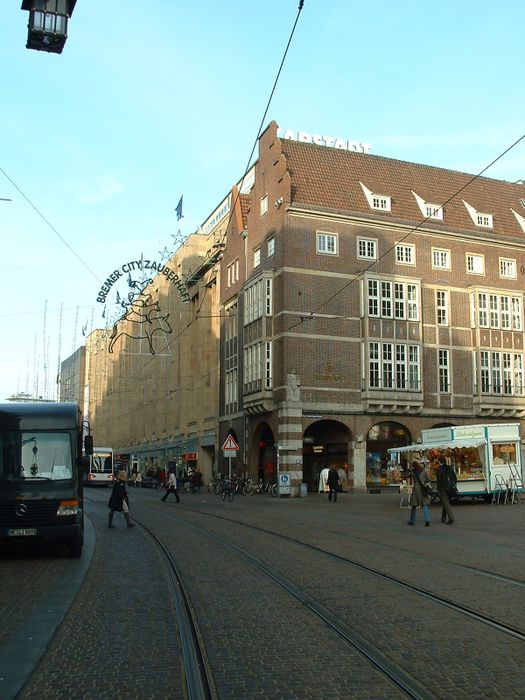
(22, 532)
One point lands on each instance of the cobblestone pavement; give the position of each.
(120, 637)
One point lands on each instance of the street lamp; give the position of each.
(47, 26)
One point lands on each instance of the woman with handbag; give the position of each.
(421, 492)
(446, 486)
(119, 500)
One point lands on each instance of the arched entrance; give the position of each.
(266, 454)
(381, 438)
(325, 443)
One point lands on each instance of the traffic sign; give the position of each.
(230, 444)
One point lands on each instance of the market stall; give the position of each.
(486, 458)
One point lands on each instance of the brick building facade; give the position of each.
(363, 300)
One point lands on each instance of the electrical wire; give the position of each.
(310, 315)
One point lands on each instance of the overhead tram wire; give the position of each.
(310, 315)
(72, 250)
(247, 168)
(299, 10)
(33, 206)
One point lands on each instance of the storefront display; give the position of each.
(486, 458)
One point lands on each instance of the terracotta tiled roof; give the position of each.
(245, 200)
(328, 179)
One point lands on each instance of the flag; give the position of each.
(178, 210)
(84, 329)
(118, 297)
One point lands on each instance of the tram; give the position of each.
(100, 471)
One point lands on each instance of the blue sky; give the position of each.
(151, 101)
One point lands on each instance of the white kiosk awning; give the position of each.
(443, 445)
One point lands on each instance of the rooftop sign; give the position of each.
(329, 141)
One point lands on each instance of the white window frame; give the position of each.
(326, 243)
(373, 298)
(268, 377)
(366, 248)
(264, 205)
(387, 299)
(442, 303)
(501, 373)
(493, 311)
(394, 366)
(444, 371)
(507, 268)
(473, 260)
(231, 389)
(233, 273)
(412, 302)
(271, 247)
(257, 257)
(441, 259)
(374, 366)
(505, 315)
(484, 220)
(433, 211)
(258, 300)
(405, 254)
(381, 202)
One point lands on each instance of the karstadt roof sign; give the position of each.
(329, 141)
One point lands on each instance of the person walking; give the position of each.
(119, 500)
(447, 489)
(171, 487)
(196, 480)
(420, 496)
(333, 481)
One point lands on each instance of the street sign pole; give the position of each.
(230, 449)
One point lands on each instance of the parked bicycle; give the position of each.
(251, 486)
(216, 483)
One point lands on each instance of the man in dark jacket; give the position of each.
(333, 483)
(446, 486)
(119, 500)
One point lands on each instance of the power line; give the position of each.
(309, 315)
(33, 206)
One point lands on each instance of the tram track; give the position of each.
(406, 684)
(399, 675)
(200, 684)
(514, 632)
(198, 674)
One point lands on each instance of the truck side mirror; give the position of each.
(88, 444)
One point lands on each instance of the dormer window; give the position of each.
(429, 211)
(433, 211)
(484, 220)
(480, 218)
(379, 202)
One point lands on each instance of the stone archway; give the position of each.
(263, 466)
(325, 443)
